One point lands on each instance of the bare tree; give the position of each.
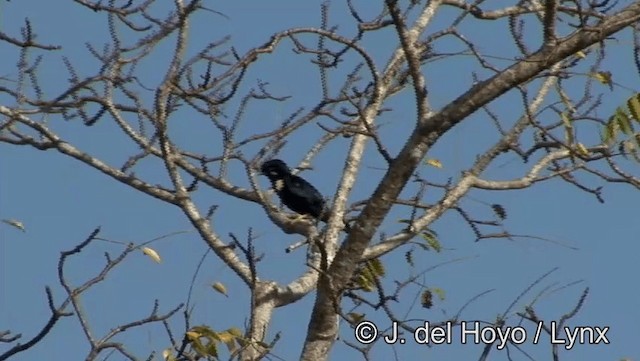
(73, 300)
(569, 39)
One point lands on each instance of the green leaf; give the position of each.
(610, 131)
(439, 292)
(630, 147)
(376, 267)
(432, 241)
(229, 339)
(622, 118)
(568, 127)
(365, 282)
(206, 331)
(199, 347)
(633, 104)
(235, 331)
(212, 350)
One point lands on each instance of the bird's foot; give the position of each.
(301, 217)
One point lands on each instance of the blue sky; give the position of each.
(60, 201)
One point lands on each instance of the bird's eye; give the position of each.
(273, 172)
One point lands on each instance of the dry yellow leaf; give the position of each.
(604, 77)
(152, 254)
(220, 288)
(226, 336)
(192, 335)
(354, 317)
(15, 223)
(582, 149)
(167, 354)
(434, 163)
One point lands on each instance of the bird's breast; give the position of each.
(278, 185)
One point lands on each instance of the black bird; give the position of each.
(295, 192)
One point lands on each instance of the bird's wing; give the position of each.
(304, 189)
(311, 201)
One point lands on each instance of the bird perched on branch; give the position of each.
(295, 192)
